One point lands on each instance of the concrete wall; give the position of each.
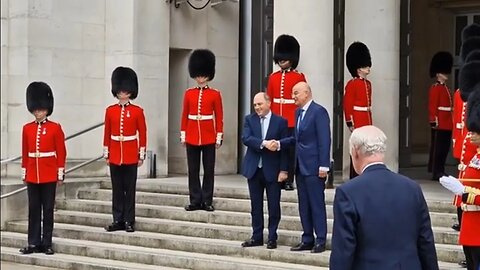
(74, 45)
(377, 24)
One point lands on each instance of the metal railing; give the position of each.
(74, 168)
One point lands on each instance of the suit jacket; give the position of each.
(272, 161)
(381, 221)
(312, 140)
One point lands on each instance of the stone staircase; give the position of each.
(168, 237)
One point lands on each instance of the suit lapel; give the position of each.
(257, 128)
(269, 128)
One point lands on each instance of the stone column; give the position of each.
(137, 35)
(377, 24)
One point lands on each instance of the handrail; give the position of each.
(74, 168)
(8, 160)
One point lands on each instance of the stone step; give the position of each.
(159, 186)
(443, 234)
(183, 243)
(67, 261)
(209, 230)
(230, 204)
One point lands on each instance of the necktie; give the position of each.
(262, 128)
(300, 118)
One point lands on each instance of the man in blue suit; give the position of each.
(312, 146)
(265, 166)
(381, 219)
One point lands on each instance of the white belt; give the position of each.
(470, 207)
(283, 101)
(460, 125)
(123, 138)
(461, 167)
(361, 109)
(200, 117)
(445, 109)
(41, 154)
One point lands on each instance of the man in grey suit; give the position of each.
(381, 219)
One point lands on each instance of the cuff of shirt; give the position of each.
(324, 169)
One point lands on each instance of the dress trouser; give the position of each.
(41, 200)
(256, 186)
(124, 185)
(201, 193)
(439, 148)
(472, 255)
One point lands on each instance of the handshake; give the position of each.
(272, 145)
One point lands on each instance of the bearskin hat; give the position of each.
(124, 79)
(286, 48)
(39, 96)
(469, 75)
(441, 63)
(358, 56)
(473, 110)
(202, 63)
(468, 46)
(471, 30)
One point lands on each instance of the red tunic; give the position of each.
(470, 227)
(43, 152)
(125, 134)
(279, 89)
(459, 129)
(202, 116)
(440, 107)
(357, 102)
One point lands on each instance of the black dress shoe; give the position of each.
(31, 249)
(252, 243)
(289, 186)
(463, 264)
(456, 227)
(129, 227)
(318, 248)
(115, 226)
(208, 207)
(193, 207)
(302, 246)
(49, 251)
(272, 244)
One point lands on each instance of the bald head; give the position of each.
(261, 103)
(301, 93)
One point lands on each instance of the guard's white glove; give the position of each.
(451, 183)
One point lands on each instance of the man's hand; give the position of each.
(218, 145)
(140, 163)
(451, 183)
(322, 174)
(271, 145)
(351, 128)
(59, 183)
(107, 161)
(475, 138)
(282, 176)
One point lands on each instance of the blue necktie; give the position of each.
(300, 116)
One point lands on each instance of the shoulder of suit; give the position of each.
(297, 72)
(276, 72)
(112, 106)
(136, 106)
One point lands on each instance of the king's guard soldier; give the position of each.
(357, 101)
(43, 166)
(201, 130)
(286, 55)
(124, 144)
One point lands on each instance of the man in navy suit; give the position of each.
(312, 146)
(265, 167)
(381, 219)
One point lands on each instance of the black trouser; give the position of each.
(353, 173)
(291, 159)
(472, 254)
(41, 200)
(124, 185)
(201, 193)
(439, 147)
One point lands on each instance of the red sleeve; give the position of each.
(184, 120)
(60, 147)
(219, 117)
(142, 129)
(106, 135)
(24, 152)
(457, 117)
(270, 87)
(432, 105)
(348, 100)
